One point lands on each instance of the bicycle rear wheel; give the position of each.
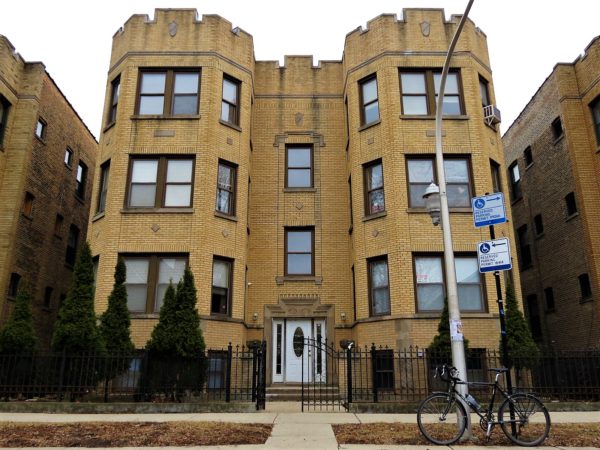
(441, 418)
(531, 420)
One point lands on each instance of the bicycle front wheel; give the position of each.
(441, 418)
(531, 420)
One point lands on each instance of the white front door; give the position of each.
(291, 356)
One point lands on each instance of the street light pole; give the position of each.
(458, 349)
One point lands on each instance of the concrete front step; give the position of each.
(293, 392)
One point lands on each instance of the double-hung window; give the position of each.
(171, 92)
(40, 129)
(421, 172)
(72, 243)
(594, 107)
(369, 101)
(4, 108)
(103, 189)
(299, 167)
(515, 181)
(430, 283)
(524, 247)
(221, 286)
(379, 286)
(299, 251)
(230, 105)
(420, 91)
(115, 90)
(160, 182)
(226, 180)
(374, 195)
(81, 179)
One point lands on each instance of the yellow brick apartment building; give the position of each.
(294, 192)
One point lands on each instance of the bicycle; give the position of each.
(442, 417)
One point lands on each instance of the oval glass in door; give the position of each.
(298, 342)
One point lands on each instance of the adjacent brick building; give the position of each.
(554, 164)
(47, 163)
(294, 192)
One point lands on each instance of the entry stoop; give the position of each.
(284, 392)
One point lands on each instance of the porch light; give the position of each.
(432, 202)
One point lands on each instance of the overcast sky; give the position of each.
(526, 38)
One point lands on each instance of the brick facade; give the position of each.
(569, 244)
(31, 247)
(290, 106)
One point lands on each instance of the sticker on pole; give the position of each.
(488, 210)
(494, 255)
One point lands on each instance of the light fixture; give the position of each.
(343, 316)
(255, 316)
(432, 202)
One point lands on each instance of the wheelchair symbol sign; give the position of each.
(479, 203)
(484, 248)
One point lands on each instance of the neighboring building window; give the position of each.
(430, 283)
(230, 105)
(58, 224)
(350, 198)
(160, 182)
(27, 209)
(539, 224)
(148, 277)
(226, 181)
(72, 245)
(299, 250)
(103, 189)
(421, 172)
(374, 195)
(533, 314)
(81, 179)
(557, 129)
(221, 286)
(420, 90)
(4, 108)
(48, 297)
(584, 286)
(571, 204)
(515, 181)
(484, 91)
(299, 167)
(13, 285)
(40, 128)
(549, 295)
(495, 171)
(169, 92)
(379, 286)
(524, 247)
(369, 101)
(528, 157)
(68, 157)
(595, 107)
(115, 91)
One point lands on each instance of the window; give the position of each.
(533, 315)
(4, 108)
(421, 172)
(103, 189)
(484, 91)
(594, 106)
(48, 297)
(379, 286)
(420, 90)
(68, 157)
(221, 286)
(58, 224)
(528, 157)
(549, 295)
(571, 204)
(81, 179)
(148, 277)
(298, 167)
(230, 105)
(430, 283)
(557, 129)
(585, 287)
(369, 101)
(495, 170)
(226, 180)
(40, 128)
(539, 224)
(72, 245)
(524, 247)
(160, 182)
(299, 245)
(13, 285)
(515, 181)
(350, 198)
(115, 90)
(27, 209)
(374, 197)
(169, 92)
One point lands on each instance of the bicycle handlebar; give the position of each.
(447, 373)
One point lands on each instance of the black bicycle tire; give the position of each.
(506, 426)
(448, 400)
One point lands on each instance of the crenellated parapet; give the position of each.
(179, 31)
(420, 31)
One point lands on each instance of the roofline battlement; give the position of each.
(290, 60)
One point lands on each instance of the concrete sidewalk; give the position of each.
(291, 431)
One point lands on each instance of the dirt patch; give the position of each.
(132, 434)
(563, 434)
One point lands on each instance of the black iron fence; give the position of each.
(234, 373)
